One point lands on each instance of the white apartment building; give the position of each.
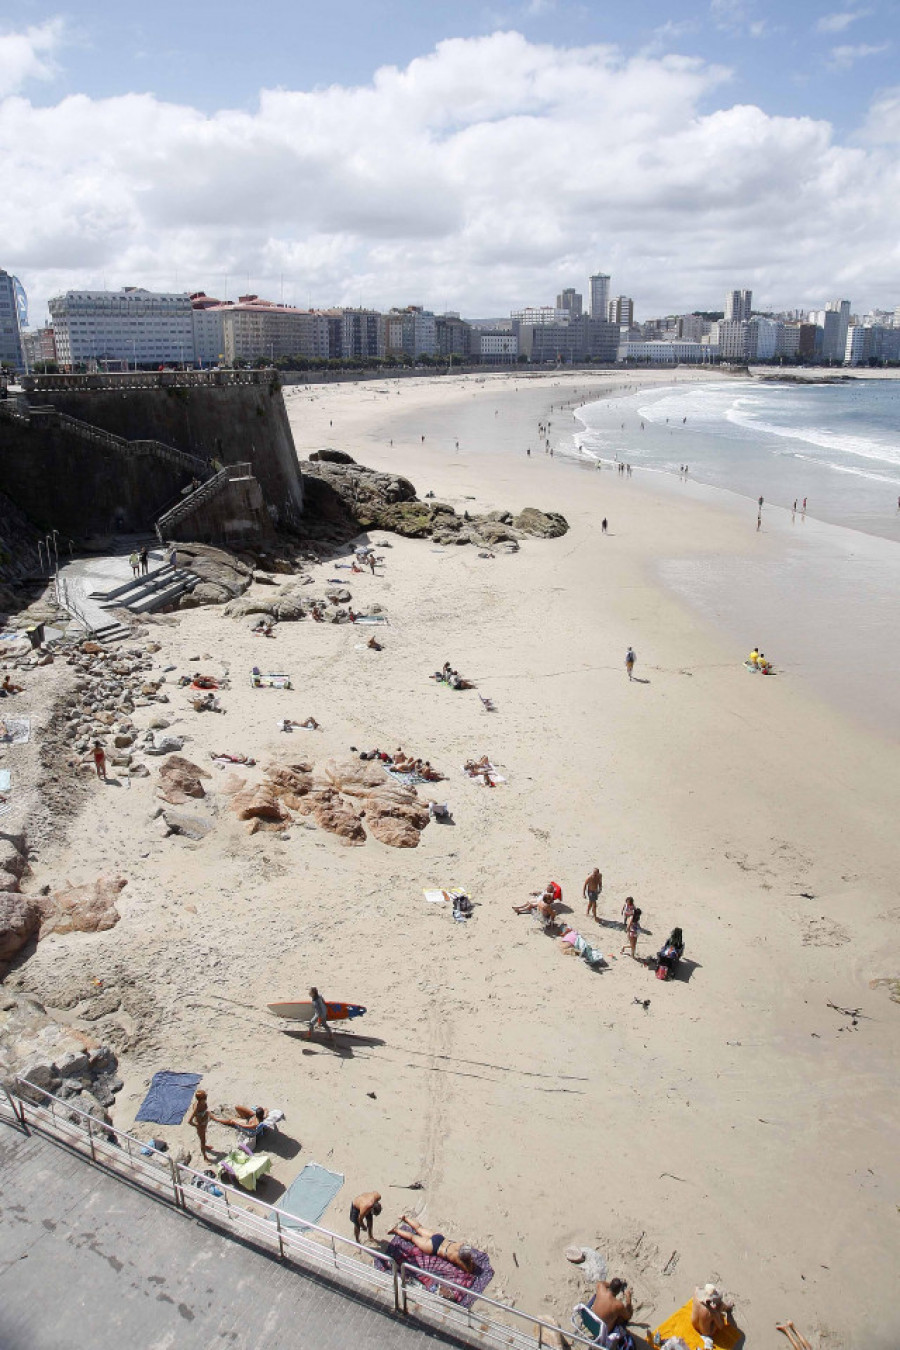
(621, 311)
(599, 284)
(764, 337)
(143, 328)
(731, 336)
(494, 346)
(252, 328)
(660, 351)
(207, 319)
(535, 315)
(738, 306)
(410, 332)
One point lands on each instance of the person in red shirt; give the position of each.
(99, 760)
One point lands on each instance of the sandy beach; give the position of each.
(738, 1129)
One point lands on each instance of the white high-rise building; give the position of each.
(599, 295)
(143, 328)
(738, 306)
(836, 334)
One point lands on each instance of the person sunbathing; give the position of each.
(429, 774)
(476, 767)
(317, 614)
(247, 1119)
(609, 1305)
(545, 908)
(7, 687)
(459, 1254)
(374, 644)
(709, 1312)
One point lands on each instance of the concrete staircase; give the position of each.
(142, 595)
(199, 497)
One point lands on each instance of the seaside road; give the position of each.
(86, 1260)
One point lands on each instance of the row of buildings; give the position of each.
(137, 328)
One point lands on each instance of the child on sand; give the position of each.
(99, 760)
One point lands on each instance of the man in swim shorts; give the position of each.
(362, 1211)
(459, 1254)
(591, 890)
(609, 1305)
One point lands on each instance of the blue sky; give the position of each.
(469, 155)
(798, 58)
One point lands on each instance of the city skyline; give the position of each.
(437, 181)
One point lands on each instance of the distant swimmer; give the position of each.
(683, 420)
(630, 659)
(761, 503)
(804, 503)
(528, 451)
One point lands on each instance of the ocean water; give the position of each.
(837, 445)
(824, 605)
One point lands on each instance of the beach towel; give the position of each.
(271, 681)
(169, 1097)
(679, 1324)
(435, 1267)
(309, 1195)
(4, 780)
(18, 730)
(248, 1168)
(439, 897)
(370, 618)
(408, 779)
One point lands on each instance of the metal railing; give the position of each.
(148, 379)
(393, 1285)
(205, 492)
(87, 431)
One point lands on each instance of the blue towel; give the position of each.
(169, 1097)
(309, 1195)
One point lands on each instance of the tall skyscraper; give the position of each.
(570, 301)
(738, 306)
(599, 295)
(835, 344)
(12, 306)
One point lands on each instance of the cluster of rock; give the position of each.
(340, 491)
(87, 908)
(54, 1058)
(292, 602)
(108, 687)
(346, 797)
(222, 575)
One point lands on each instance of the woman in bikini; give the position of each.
(459, 1254)
(200, 1119)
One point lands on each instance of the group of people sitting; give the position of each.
(480, 768)
(612, 1307)
(447, 675)
(757, 661)
(401, 762)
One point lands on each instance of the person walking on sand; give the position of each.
(631, 931)
(362, 1210)
(630, 659)
(200, 1118)
(99, 760)
(320, 1015)
(603, 525)
(591, 891)
(145, 561)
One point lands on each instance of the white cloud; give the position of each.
(882, 126)
(28, 55)
(842, 58)
(837, 23)
(486, 174)
(735, 16)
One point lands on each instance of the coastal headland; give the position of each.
(735, 1124)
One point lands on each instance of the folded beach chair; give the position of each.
(584, 1322)
(487, 703)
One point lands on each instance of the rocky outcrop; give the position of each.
(20, 921)
(89, 908)
(348, 796)
(222, 575)
(179, 780)
(260, 802)
(350, 497)
(54, 1058)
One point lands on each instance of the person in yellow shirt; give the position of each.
(753, 658)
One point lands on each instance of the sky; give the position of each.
(468, 156)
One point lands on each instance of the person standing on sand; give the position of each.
(631, 931)
(630, 659)
(362, 1211)
(200, 1118)
(591, 891)
(320, 1015)
(604, 522)
(99, 760)
(135, 564)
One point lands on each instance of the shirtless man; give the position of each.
(609, 1306)
(362, 1210)
(709, 1313)
(591, 891)
(459, 1254)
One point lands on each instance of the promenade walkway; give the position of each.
(86, 1260)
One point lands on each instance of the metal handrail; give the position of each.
(401, 1283)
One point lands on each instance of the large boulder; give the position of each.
(215, 566)
(20, 921)
(89, 908)
(247, 605)
(205, 593)
(260, 802)
(164, 745)
(13, 863)
(329, 456)
(542, 524)
(288, 608)
(179, 779)
(185, 824)
(335, 816)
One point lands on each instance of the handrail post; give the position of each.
(91, 1139)
(177, 1192)
(280, 1234)
(396, 1285)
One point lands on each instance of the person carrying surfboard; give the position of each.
(320, 1015)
